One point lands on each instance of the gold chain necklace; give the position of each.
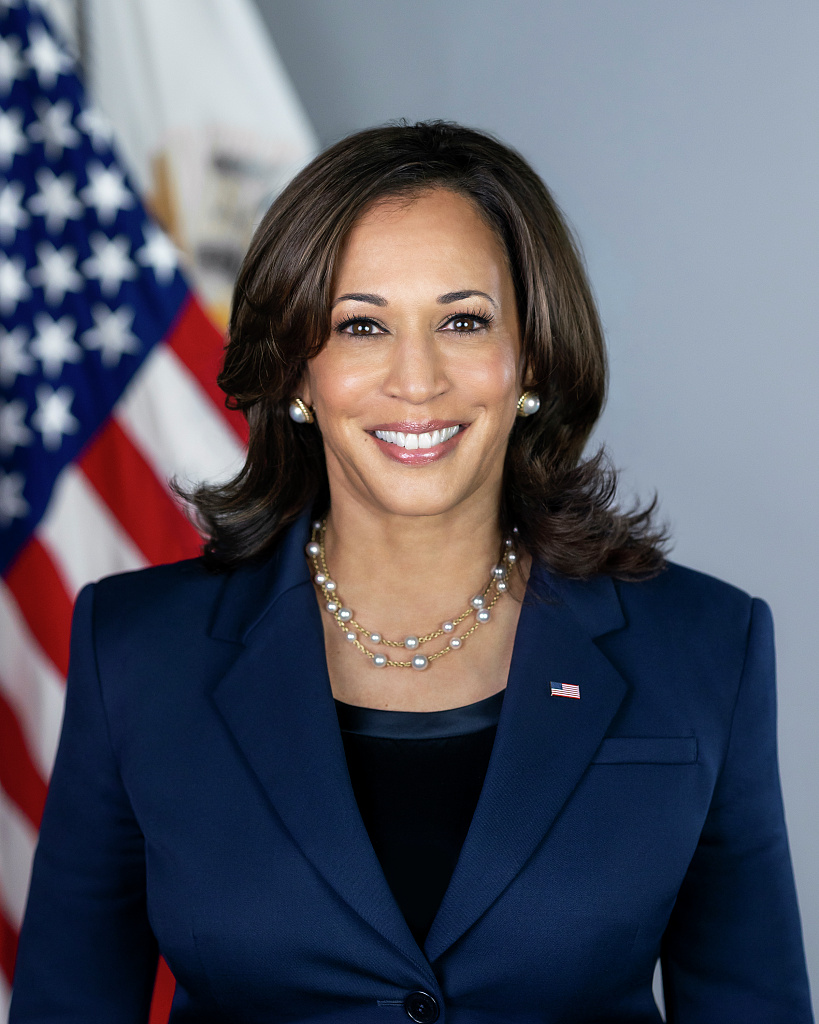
(480, 606)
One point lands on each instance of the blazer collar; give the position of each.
(277, 702)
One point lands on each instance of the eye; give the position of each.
(359, 327)
(468, 323)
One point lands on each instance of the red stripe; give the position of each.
(199, 345)
(164, 987)
(142, 504)
(18, 774)
(8, 948)
(43, 600)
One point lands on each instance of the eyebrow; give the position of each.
(379, 300)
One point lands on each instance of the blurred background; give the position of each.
(679, 139)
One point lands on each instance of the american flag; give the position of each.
(107, 389)
(565, 690)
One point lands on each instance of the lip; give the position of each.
(419, 456)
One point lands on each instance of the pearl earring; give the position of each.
(528, 403)
(301, 413)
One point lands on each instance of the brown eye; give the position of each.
(465, 324)
(359, 328)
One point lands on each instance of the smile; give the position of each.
(411, 442)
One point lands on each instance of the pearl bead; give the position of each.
(379, 660)
(515, 530)
(317, 525)
(320, 578)
(511, 557)
(509, 542)
(483, 615)
(499, 572)
(330, 585)
(375, 638)
(411, 643)
(530, 405)
(345, 614)
(420, 662)
(455, 643)
(313, 549)
(501, 585)
(332, 607)
(477, 602)
(448, 627)
(351, 636)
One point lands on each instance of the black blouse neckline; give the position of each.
(420, 725)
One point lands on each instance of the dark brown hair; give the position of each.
(562, 504)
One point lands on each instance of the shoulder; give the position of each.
(683, 599)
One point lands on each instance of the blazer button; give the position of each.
(421, 1007)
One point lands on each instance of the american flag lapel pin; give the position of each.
(565, 690)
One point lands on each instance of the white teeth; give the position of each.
(413, 441)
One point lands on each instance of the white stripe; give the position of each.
(30, 683)
(172, 421)
(5, 1000)
(82, 534)
(17, 842)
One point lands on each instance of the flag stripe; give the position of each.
(18, 775)
(46, 605)
(199, 346)
(143, 505)
(157, 412)
(31, 684)
(8, 950)
(5, 990)
(82, 535)
(17, 842)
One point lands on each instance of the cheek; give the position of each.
(341, 386)
(490, 380)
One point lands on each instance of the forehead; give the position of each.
(437, 233)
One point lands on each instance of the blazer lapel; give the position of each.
(543, 743)
(277, 702)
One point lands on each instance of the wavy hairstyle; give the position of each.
(562, 504)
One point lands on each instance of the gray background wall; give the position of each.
(681, 139)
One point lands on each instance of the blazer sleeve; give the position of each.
(86, 950)
(732, 951)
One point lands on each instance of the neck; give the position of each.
(406, 573)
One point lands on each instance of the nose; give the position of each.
(416, 372)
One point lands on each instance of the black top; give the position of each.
(417, 776)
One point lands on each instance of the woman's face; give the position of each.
(416, 388)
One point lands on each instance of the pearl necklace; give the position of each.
(480, 606)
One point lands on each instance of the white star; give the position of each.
(95, 124)
(13, 431)
(111, 334)
(110, 263)
(53, 128)
(46, 57)
(159, 252)
(12, 503)
(54, 344)
(12, 215)
(56, 200)
(106, 192)
(13, 285)
(12, 139)
(56, 272)
(53, 417)
(10, 64)
(13, 356)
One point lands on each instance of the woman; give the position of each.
(432, 732)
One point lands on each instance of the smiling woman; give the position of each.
(432, 731)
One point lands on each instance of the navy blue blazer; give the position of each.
(200, 806)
